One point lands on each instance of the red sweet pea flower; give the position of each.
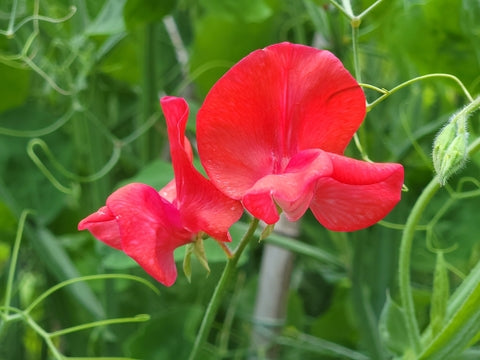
(272, 132)
(149, 225)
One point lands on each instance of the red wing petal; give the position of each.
(357, 195)
(292, 191)
(272, 104)
(202, 206)
(103, 226)
(150, 229)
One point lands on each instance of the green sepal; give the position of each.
(187, 261)
(266, 232)
(392, 328)
(196, 247)
(199, 251)
(450, 149)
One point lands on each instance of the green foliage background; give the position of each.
(79, 117)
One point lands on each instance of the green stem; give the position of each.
(405, 254)
(11, 22)
(13, 261)
(404, 263)
(355, 23)
(219, 292)
(148, 91)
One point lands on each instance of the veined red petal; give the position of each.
(292, 191)
(357, 194)
(150, 229)
(272, 104)
(202, 207)
(103, 225)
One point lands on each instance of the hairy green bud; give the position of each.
(450, 150)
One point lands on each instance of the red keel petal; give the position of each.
(292, 191)
(103, 225)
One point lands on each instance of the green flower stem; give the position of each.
(405, 254)
(404, 262)
(219, 292)
(355, 23)
(149, 88)
(11, 22)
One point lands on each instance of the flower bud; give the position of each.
(450, 149)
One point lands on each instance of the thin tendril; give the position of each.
(40, 132)
(137, 318)
(72, 12)
(387, 93)
(93, 177)
(14, 258)
(61, 285)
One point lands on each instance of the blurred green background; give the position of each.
(79, 116)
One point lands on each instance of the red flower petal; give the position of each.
(292, 190)
(357, 195)
(103, 226)
(202, 206)
(169, 192)
(272, 104)
(150, 229)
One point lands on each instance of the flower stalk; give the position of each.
(220, 290)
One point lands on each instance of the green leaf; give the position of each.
(336, 323)
(117, 260)
(440, 33)
(392, 327)
(140, 12)
(168, 335)
(110, 20)
(8, 222)
(245, 10)
(156, 174)
(213, 53)
(62, 268)
(459, 331)
(440, 295)
(463, 291)
(14, 87)
(199, 251)
(121, 61)
(187, 261)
